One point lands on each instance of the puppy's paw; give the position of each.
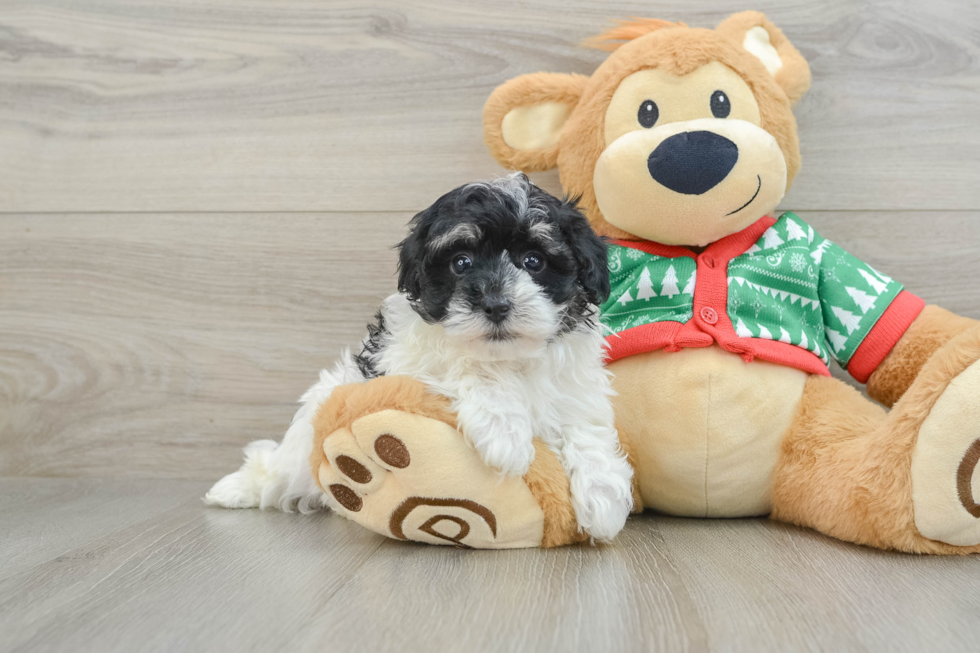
(602, 504)
(511, 454)
(504, 441)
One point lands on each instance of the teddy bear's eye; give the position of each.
(648, 114)
(720, 106)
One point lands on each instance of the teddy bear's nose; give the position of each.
(692, 163)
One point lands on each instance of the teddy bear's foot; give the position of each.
(388, 458)
(945, 473)
(413, 478)
(905, 480)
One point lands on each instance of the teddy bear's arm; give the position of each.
(933, 328)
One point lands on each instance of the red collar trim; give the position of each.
(723, 250)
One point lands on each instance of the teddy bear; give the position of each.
(723, 319)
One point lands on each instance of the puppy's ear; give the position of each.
(590, 253)
(523, 118)
(754, 32)
(411, 255)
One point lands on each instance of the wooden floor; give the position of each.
(123, 565)
(197, 204)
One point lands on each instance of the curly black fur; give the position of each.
(513, 216)
(373, 345)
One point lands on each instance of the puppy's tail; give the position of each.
(243, 489)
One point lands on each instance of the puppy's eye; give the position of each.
(648, 114)
(533, 262)
(720, 106)
(461, 263)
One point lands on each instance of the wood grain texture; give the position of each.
(244, 105)
(198, 200)
(193, 578)
(188, 579)
(159, 345)
(40, 519)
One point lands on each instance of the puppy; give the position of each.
(498, 286)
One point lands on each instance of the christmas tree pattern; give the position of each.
(771, 239)
(876, 284)
(644, 290)
(817, 254)
(863, 300)
(829, 297)
(670, 283)
(837, 341)
(645, 287)
(691, 283)
(791, 286)
(849, 320)
(794, 231)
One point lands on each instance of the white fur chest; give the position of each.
(550, 385)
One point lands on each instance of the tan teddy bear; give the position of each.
(722, 322)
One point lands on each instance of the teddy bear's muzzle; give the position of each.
(693, 162)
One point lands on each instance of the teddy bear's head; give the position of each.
(682, 136)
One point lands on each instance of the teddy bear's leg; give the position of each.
(901, 480)
(388, 456)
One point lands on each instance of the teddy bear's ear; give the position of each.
(523, 118)
(753, 31)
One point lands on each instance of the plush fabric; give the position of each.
(714, 415)
(846, 465)
(424, 483)
(676, 49)
(932, 329)
(792, 294)
(705, 435)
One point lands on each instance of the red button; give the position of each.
(710, 262)
(709, 315)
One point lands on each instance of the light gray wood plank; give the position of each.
(41, 518)
(784, 588)
(158, 345)
(193, 578)
(238, 105)
(665, 584)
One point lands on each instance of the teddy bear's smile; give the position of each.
(693, 146)
(755, 195)
(702, 175)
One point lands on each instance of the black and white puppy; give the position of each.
(497, 310)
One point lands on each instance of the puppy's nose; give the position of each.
(692, 163)
(495, 309)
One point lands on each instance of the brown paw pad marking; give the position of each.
(346, 497)
(964, 479)
(411, 503)
(353, 470)
(392, 451)
(464, 529)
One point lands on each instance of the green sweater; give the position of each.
(777, 281)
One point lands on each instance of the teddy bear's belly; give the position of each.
(704, 428)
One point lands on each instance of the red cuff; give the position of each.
(891, 326)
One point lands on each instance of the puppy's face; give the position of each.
(503, 264)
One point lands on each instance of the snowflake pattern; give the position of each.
(830, 274)
(795, 291)
(803, 291)
(779, 309)
(797, 262)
